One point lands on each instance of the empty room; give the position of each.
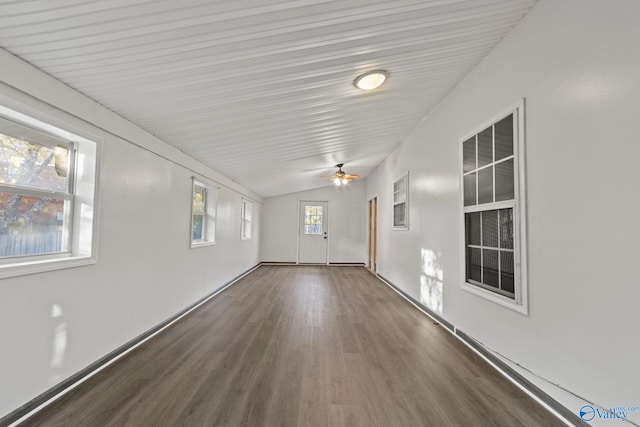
(319, 213)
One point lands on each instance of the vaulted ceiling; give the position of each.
(262, 90)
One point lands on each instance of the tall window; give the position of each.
(203, 214)
(36, 198)
(47, 193)
(492, 161)
(247, 207)
(401, 203)
(199, 213)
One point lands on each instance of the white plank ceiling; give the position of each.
(261, 90)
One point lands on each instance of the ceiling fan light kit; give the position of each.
(340, 181)
(340, 177)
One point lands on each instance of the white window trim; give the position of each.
(406, 204)
(83, 238)
(521, 302)
(211, 205)
(243, 235)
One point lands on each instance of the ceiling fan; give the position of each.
(340, 177)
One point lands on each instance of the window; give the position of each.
(247, 207)
(313, 220)
(37, 198)
(47, 185)
(401, 203)
(203, 215)
(199, 213)
(491, 165)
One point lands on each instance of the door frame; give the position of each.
(372, 233)
(298, 226)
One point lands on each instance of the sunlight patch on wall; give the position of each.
(594, 90)
(435, 185)
(59, 344)
(431, 281)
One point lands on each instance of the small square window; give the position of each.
(485, 147)
(504, 138)
(470, 189)
(504, 189)
(469, 153)
(485, 185)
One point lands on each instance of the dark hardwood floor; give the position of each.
(300, 346)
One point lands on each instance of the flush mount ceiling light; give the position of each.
(370, 80)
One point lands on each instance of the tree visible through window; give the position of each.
(203, 214)
(313, 220)
(36, 192)
(199, 213)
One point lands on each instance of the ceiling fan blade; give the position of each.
(341, 175)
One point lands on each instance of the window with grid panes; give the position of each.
(491, 208)
(313, 220)
(47, 195)
(400, 203)
(36, 191)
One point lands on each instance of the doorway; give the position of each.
(373, 234)
(312, 233)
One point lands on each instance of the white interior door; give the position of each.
(312, 234)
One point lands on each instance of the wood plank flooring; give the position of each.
(300, 346)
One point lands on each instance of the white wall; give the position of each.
(347, 223)
(577, 64)
(146, 271)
